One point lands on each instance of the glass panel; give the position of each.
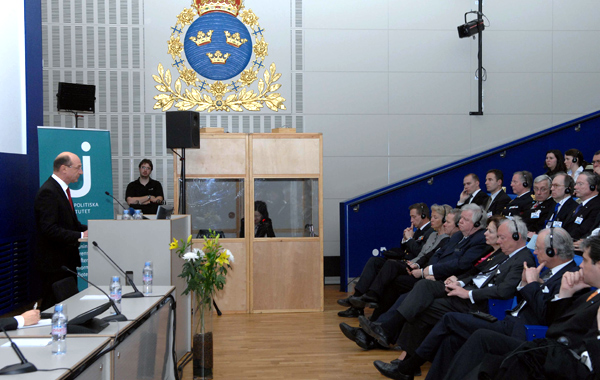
(216, 204)
(292, 206)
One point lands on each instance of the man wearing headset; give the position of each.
(521, 186)
(535, 217)
(430, 300)
(561, 190)
(581, 222)
(554, 250)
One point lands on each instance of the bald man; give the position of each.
(58, 230)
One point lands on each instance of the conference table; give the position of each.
(139, 348)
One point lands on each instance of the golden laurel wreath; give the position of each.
(195, 97)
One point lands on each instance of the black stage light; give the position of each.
(470, 28)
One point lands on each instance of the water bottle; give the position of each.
(59, 330)
(147, 275)
(126, 215)
(137, 215)
(115, 291)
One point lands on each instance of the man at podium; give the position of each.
(145, 193)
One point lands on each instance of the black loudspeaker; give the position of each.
(183, 129)
(75, 97)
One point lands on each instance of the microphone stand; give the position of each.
(111, 318)
(136, 293)
(14, 369)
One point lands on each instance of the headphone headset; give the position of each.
(457, 220)
(444, 217)
(423, 216)
(550, 249)
(478, 222)
(525, 183)
(515, 235)
(575, 159)
(567, 190)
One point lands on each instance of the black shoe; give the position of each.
(349, 331)
(364, 341)
(363, 301)
(417, 371)
(375, 330)
(391, 371)
(351, 312)
(344, 302)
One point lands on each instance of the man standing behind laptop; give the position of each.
(145, 193)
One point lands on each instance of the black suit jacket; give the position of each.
(565, 211)
(503, 282)
(535, 217)
(499, 203)
(588, 215)
(458, 257)
(9, 323)
(413, 246)
(519, 205)
(58, 229)
(480, 199)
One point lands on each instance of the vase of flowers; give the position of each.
(204, 271)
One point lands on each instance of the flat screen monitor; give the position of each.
(76, 97)
(164, 212)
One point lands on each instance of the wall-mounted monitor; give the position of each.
(74, 97)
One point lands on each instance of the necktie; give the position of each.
(488, 204)
(591, 296)
(70, 199)
(577, 210)
(546, 275)
(555, 215)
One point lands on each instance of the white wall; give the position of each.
(388, 82)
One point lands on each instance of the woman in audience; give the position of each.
(554, 162)
(574, 163)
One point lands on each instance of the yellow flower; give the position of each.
(174, 244)
(223, 259)
(189, 239)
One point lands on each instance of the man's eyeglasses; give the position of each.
(78, 167)
(146, 168)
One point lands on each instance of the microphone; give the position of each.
(14, 369)
(120, 204)
(136, 293)
(111, 318)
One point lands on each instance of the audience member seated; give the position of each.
(535, 218)
(410, 247)
(393, 268)
(472, 193)
(498, 199)
(263, 227)
(554, 250)
(596, 162)
(582, 221)
(521, 186)
(571, 348)
(561, 190)
(554, 163)
(430, 300)
(574, 163)
(30, 317)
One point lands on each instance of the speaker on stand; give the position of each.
(183, 131)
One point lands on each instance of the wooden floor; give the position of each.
(291, 346)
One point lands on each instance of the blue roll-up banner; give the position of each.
(89, 198)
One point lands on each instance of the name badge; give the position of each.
(545, 290)
(557, 224)
(513, 207)
(579, 220)
(536, 215)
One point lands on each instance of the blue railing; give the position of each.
(375, 220)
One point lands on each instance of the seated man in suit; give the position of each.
(30, 317)
(554, 250)
(472, 193)
(561, 190)
(572, 341)
(412, 242)
(535, 217)
(596, 162)
(521, 186)
(494, 179)
(430, 300)
(581, 222)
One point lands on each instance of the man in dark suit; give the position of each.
(581, 221)
(494, 179)
(534, 291)
(30, 317)
(472, 193)
(58, 229)
(561, 189)
(410, 247)
(521, 186)
(573, 320)
(535, 217)
(430, 300)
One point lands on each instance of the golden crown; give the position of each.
(201, 38)
(218, 58)
(235, 40)
(228, 6)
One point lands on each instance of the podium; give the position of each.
(130, 243)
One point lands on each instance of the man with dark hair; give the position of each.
(58, 228)
(472, 193)
(582, 221)
(521, 186)
(410, 247)
(561, 189)
(145, 193)
(571, 347)
(494, 179)
(596, 162)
